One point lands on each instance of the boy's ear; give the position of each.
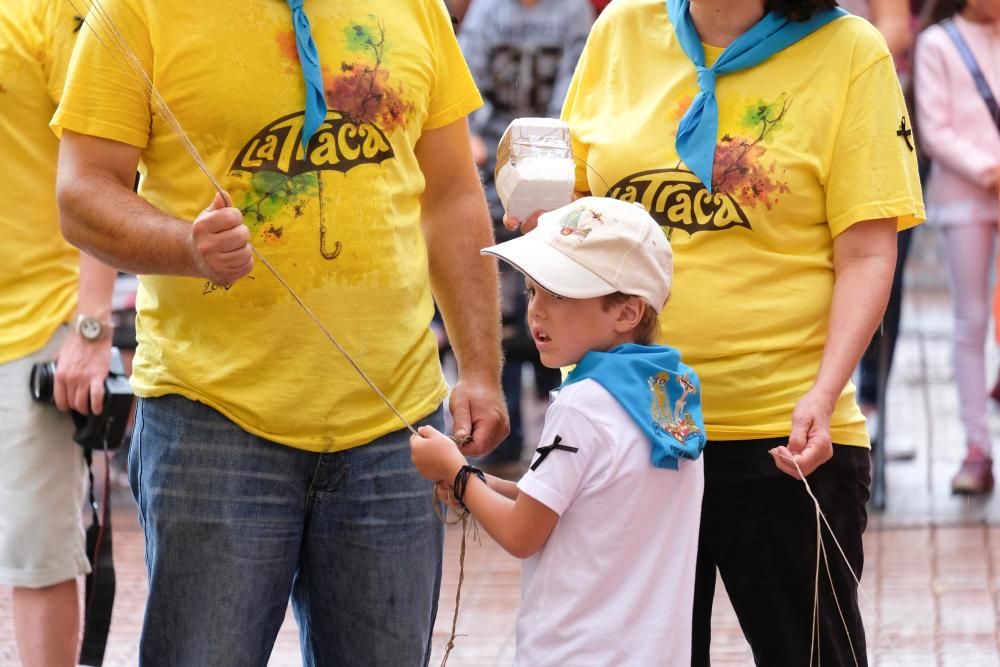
(632, 310)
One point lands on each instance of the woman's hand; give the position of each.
(809, 443)
(435, 455)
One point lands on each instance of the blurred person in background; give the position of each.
(55, 304)
(457, 9)
(522, 54)
(960, 134)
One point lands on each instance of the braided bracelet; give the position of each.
(462, 482)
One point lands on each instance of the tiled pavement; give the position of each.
(932, 574)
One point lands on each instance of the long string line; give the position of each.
(821, 548)
(463, 517)
(125, 56)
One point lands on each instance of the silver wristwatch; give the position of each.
(89, 328)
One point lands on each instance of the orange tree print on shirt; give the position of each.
(361, 89)
(739, 169)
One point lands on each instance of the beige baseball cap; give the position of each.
(593, 247)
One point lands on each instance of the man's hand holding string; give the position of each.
(456, 226)
(101, 215)
(220, 243)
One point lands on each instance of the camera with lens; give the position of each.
(103, 431)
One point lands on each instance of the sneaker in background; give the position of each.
(975, 477)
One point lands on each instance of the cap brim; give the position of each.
(549, 268)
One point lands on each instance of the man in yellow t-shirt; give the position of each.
(781, 272)
(263, 464)
(47, 285)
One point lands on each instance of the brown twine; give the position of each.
(461, 516)
(821, 556)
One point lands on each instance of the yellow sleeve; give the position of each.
(104, 95)
(873, 166)
(575, 111)
(455, 94)
(58, 32)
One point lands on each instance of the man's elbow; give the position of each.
(70, 195)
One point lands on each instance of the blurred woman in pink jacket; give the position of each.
(962, 138)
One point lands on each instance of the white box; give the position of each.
(535, 169)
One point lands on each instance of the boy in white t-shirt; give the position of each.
(607, 516)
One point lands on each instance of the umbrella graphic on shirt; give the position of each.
(283, 177)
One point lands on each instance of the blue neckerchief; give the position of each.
(698, 128)
(662, 396)
(309, 59)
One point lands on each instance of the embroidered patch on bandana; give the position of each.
(674, 420)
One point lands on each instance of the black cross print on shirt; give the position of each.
(78, 20)
(543, 452)
(905, 132)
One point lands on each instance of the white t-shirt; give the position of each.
(614, 584)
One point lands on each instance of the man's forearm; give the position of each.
(97, 284)
(107, 220)
(465, 283)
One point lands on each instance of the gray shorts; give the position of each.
(42, 483)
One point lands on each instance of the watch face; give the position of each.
(90, 328)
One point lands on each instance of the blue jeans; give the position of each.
(234, 524)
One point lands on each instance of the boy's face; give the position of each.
(566, 329)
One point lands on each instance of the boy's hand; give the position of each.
(435, 455)
(513, 224)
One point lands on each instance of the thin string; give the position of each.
(607, 188)
(464, 517)
(836, 601)
(133, 65)
(821, 517)
(814, 639)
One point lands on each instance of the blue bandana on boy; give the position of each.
(662, 396)
(311, 72)
(698, 128)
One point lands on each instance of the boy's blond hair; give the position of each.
(647, 331)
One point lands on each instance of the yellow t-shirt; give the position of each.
(340, 222)
(38, 269)
(810, 142)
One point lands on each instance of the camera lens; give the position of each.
(43, 377)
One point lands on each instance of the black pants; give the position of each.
(758, 527)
